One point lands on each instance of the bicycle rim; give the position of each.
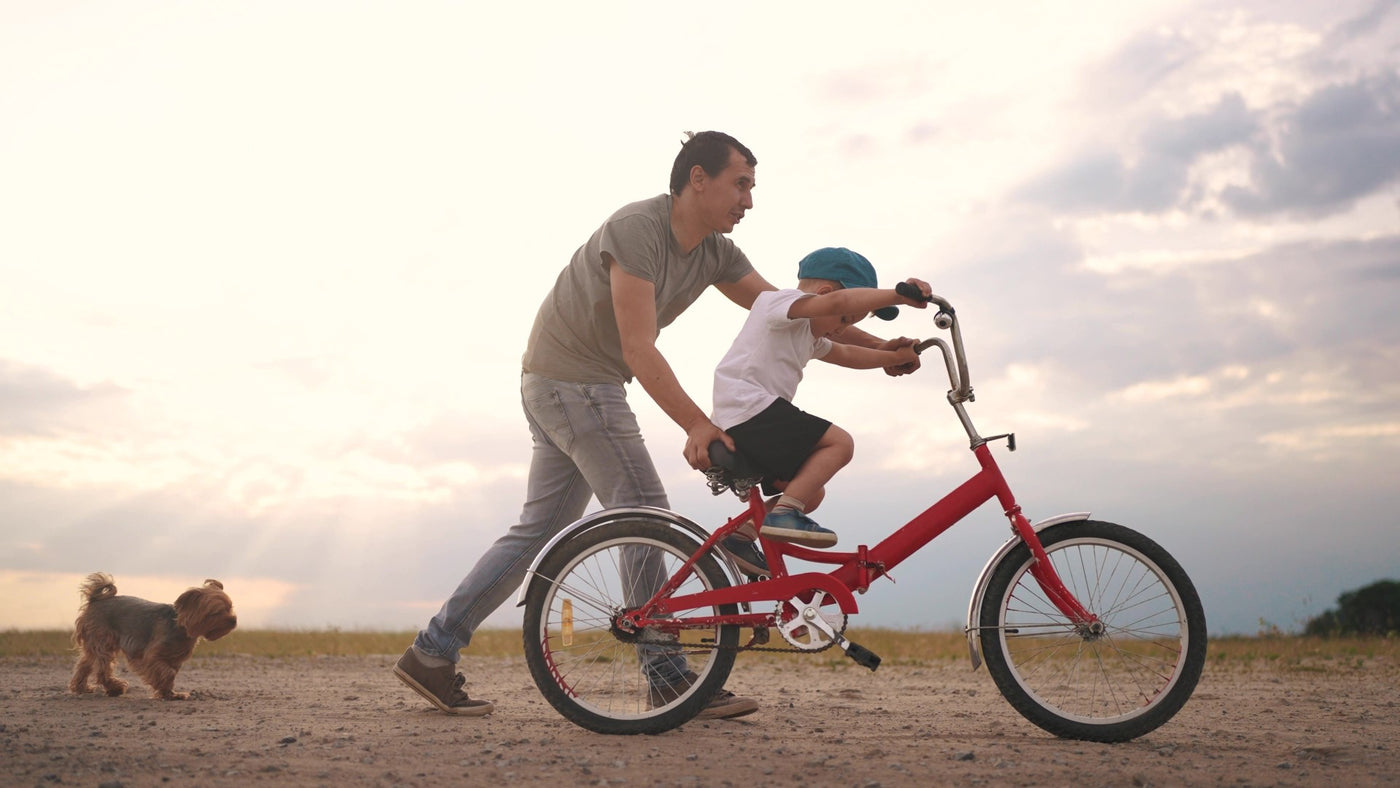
(598, 676)
(1108, 686)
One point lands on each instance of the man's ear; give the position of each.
(698, 177)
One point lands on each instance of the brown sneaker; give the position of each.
(724, 706)
(727, 706)
(442, 686)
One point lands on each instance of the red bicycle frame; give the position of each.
(856, 570)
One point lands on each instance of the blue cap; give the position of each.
(840, 264)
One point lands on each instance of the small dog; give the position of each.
(156, 638)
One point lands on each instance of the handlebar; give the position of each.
(954, 358)
(944, 318)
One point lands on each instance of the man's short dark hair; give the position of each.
(709, 149)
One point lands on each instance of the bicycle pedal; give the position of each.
(861, 655)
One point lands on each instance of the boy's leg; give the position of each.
(832, 453)
(806, 451)
(788, 521)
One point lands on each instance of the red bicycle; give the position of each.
(633, 616)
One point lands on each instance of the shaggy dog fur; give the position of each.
(156, 638)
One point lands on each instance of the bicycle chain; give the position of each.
(716, 647)
(767, 649)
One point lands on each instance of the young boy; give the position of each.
(755, 382)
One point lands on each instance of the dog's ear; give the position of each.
(190, 597)
(212, 583)
(205, 612)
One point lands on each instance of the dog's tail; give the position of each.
(98, 586)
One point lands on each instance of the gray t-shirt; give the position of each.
(575, 334)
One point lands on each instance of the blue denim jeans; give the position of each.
(586, 443)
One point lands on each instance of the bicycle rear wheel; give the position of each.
(1107, 685)
(606, 679)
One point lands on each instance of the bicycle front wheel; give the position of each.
(1107, 683)
(607, 679)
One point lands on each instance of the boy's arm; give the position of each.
(854, 336)
(855, 357)
(850, 301)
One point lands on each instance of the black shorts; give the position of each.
(778, 440)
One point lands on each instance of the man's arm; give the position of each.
(634, 307)
(744, 291)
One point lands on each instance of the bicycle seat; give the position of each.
(730, 470)
(737, 464)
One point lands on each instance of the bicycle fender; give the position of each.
(980, 587)
(677, 521)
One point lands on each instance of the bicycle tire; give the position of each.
(1111, 687)
(594, 675)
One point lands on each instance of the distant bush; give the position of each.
(1373, 610)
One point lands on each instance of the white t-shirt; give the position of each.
(766, 360)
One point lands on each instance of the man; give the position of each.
(595, 331)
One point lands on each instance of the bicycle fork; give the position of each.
(1085, 622)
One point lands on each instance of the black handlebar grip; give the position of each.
(909, 291)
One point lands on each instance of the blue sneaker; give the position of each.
(790, 525)
(746, 554)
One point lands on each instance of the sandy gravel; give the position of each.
(346, 720)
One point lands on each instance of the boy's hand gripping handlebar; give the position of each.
(944, 318)
(953, 357)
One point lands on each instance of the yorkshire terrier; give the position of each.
(156, 638)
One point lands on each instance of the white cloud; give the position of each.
(1324, 443)
(249, 306)
(1155, 391)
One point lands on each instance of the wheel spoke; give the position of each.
(588, 664)
(1105, 683)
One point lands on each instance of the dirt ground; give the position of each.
(345, 720)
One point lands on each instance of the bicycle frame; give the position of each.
(855, 571)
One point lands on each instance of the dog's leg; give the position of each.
(161, 676)
(105, 664)
(79, 683)
(101, 649)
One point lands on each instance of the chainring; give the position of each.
(806, 627)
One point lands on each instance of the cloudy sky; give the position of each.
(267, 269)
